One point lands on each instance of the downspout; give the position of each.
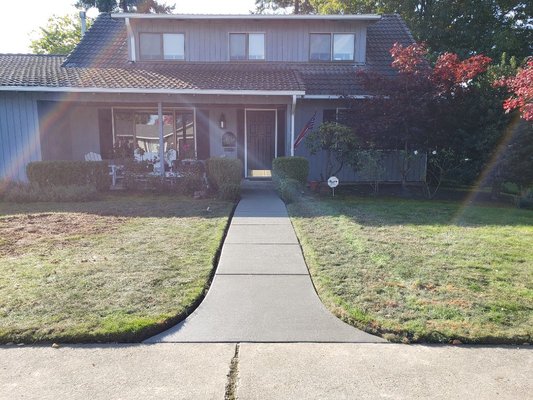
(131, 37)
(83, 21)
(161, 140)
(293, 109)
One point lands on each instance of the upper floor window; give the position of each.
(327, 46)
(162, 46)
(247, 46)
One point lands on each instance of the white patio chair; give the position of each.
(171, 155)
(92, 156)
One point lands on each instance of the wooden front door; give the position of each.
(260, 140)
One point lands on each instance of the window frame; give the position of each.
(162, 46)
(331, 47)
(247, 46)
(174, 111)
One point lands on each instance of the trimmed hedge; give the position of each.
(69, 173)
(290, 190)
(229, 192)
(31, 192)
(296, 168)
(223, 171)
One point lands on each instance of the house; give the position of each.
(203, 85)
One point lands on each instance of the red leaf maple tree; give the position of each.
(521, 88)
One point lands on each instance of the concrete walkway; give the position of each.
(262, 291)
(326, 371)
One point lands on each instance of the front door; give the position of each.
(260, 142)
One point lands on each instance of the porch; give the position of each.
(255, 130)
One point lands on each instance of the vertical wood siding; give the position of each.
(285, 41)
(19, 134)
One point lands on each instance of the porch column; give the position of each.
(161, 139)
(293, 108)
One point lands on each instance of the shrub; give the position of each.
(229, 191)
(223, 171)
(69, 173)
(290, 168)
(5, 186)
(290, 190)
(31, 192)
(525, 200)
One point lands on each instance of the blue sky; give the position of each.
(16, 24)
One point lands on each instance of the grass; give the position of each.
(119, 269)
(422, 271)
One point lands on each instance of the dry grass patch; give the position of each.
(112, 270)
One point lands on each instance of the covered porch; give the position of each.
(255, 129)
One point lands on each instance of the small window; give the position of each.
(166, 46)
(343, 47)
(237, 46)
(247, 46)
(150, 45)
(174, 46)
(256, 46)
(320, 47)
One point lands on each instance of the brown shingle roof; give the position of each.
(100, 61)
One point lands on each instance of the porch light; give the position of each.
(222, 121)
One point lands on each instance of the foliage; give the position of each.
(471, 27)
(68, 173)
(526, 200)
(31, 192)
(130, 6)
(289, 189)
(338, 142)
(296, 6)
(290, 167)
(229, 191)
(515, 161)
(371, 167)
(59, 36)
(521, 88)
(223, 171)
(425, 107)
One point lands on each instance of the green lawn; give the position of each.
(422, 270)
(119, 269)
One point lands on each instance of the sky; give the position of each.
(16, 24)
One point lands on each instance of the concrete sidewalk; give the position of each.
(265, 371)
(262, 291)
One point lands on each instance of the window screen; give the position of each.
(237, 46)
(343, 47)
(174, 46)
(320, 47)
(256, 46)
(150, 46)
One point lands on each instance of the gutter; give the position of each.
(254, 17)
(333, 97)
(152, 91)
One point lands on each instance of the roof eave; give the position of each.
(152, 91)
(349, 17)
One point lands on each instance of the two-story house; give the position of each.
(203, 85)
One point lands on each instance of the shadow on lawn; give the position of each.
(128, 205)
(389, 211)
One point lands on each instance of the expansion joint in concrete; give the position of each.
(233, 374)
